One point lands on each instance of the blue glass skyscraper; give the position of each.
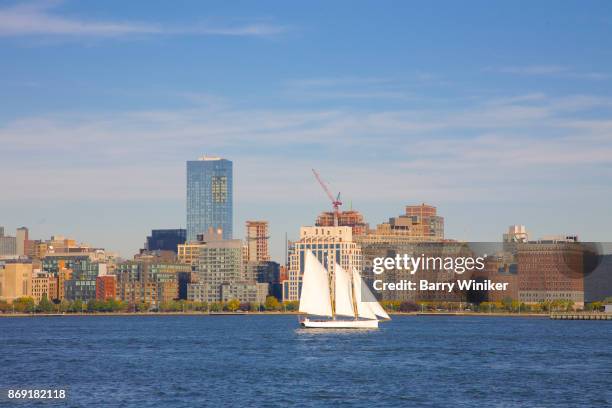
(209, 196)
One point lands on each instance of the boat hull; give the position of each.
(339, 324)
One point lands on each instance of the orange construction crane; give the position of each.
(336, 203)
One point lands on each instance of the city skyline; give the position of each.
(278, 253)
(496, 116)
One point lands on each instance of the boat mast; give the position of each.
(332, 286)
(353, 289)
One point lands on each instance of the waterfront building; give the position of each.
(498, 269)
(76, 273)
(435, 273)
(350, 218)
(420, 230)
(330, 245)
(265, 272)
(44, 285)
(184, 279)
(8, 245)
(209, 196)
(220, 269)
(106, 287)
(257, 238)
(220, 262)
(551, 269)
(15, 280)
(146, 280)
(63, 275)
(82, 285)
(245, 292)
(598, 275)
(165, 239)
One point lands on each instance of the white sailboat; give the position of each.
(352, 306)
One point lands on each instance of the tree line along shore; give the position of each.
(28, 305)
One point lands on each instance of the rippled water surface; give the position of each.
(185, 361)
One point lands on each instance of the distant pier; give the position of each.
(581, 316)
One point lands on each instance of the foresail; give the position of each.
(315, 297)
(363, 310)
(367, 300)
(378, 309)
(343, 293)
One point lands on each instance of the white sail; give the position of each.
(367, 300)
(376, 308)
(363, 309)
(315, 297)
(343, 294)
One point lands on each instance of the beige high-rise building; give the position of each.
(330, 245)
(15, 280)
(257, 241)
(22, 241)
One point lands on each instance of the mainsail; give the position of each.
(343, 292)
(315, 297)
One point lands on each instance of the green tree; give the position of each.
(233, 305)
(272, 303)
(4, 306)
(64, 306)
(406, 306)
(91, 306)
(143, 306)
(45, 305)
(76, 306)
(291, 305)
(507, 303)
(216, 307)
(24, 305)
(595, 306)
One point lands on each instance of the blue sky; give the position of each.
(497, 114)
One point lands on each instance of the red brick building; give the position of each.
(106, 287)
(549, 271)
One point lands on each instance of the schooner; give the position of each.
(347, 304)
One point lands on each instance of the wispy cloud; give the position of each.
(524, 135)
(558, 71)
(361, 88)
(518, 151)
(38, 19)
